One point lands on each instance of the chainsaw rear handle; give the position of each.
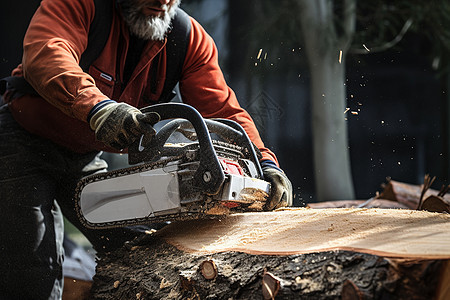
(209, 176)
(185, 127)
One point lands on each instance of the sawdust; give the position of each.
(256, 206)
(390, 232)
(249, 199)
(218, 210)
(252, 195)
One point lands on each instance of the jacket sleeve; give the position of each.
(203, 86)
(55, 39)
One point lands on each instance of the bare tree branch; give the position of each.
(387, 45)
(349, 23)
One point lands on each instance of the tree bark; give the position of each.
(291, 254)
(161, 271)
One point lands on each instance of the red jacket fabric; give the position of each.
(53, 44)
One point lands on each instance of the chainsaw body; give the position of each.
(193, 168)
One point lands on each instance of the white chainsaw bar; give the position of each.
(154, 193)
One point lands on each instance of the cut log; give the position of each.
(408, 194)
(290, 254)
(399, 195)
(435, 204)
(371, 203)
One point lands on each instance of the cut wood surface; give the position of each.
(397, 233)
(386, 250)
(289, 254)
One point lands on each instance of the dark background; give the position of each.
(401, 130)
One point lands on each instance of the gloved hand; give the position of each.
(118, 124)
(281, 187)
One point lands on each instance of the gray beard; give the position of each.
(149, 28)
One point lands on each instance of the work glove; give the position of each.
(281, 187)
(118, 124)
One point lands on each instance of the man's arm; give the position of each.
(53, 44)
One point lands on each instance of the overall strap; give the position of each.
(177, 44)
(98, 32)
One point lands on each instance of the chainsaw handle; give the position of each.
(209, 175)
(156, 150)
(228, 130)
(183, 126)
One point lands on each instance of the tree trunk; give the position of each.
(293, 254)
(326, 54)
(330, 139)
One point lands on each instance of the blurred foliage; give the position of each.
(266, 37)
(275, 29)
(381, 24)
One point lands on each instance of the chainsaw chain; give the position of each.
(195, 210)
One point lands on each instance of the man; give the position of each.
(51, 139)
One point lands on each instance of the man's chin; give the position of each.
(153, 28)
(150, 23)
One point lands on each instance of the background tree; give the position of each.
(327, 42)
(329, 31)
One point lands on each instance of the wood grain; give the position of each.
(396, 233)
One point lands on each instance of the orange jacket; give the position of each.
(53, 44)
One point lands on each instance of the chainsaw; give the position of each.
(193, 168)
